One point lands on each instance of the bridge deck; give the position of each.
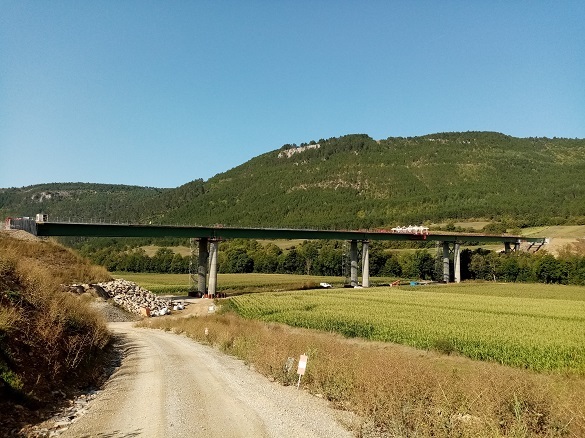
(135, 230)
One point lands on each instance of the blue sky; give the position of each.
(159, 93)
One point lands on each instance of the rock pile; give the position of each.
(135, 299)
(129, 296)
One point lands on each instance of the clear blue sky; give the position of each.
(159, 93)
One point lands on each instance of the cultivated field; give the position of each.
(535, 326)
(402, 391)
(231, 283)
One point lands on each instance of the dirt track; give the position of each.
(170, 386)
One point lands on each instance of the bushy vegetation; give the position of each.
(47, 336)
(399, 391)
(351, 182)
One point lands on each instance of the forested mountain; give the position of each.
(357, 182)
(107, 202)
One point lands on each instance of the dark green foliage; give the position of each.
(351, 182)
(80, 201)
(326, 258)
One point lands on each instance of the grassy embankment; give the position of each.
(432, 391)
(48, 338)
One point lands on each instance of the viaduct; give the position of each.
(209, 238)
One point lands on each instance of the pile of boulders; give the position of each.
(129, 296)
(136, 299)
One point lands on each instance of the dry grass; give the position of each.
(46, 334)
(403, 391)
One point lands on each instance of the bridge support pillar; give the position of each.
(202, 266)
(507, 247)
(446, 274)
(353, 257)
(213, 247)
(517, 246)
(365, 263)
(457, 262)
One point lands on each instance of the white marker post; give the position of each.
(302, 367)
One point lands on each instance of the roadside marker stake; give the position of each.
(302, 367)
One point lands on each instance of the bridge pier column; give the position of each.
(446, 274)
(457, 262)
(353, 257)
(365, 263)
(507, 247)
(213, 248)
(517, 246)
(202, 266)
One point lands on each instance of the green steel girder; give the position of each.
(128, 230)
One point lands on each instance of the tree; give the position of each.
(419, 264)
(548, 269)
(509, 267)
(309, 252)
(392, 266)
(291, 262)
(238, 261)
(265, 262)
(329, 261)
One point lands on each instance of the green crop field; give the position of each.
(534, 326)
(237, 283)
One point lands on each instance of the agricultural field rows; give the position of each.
(539, 327)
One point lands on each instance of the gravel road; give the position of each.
(171, 386)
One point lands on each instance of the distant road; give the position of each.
(170, 386)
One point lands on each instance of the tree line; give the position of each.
(328, 258)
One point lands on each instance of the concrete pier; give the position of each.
(457, 262)
(446, 273)
(202, 266)
(365, 263)
(353, 257)
(213, 248)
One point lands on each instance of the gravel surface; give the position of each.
(113, 313)
(169, 385)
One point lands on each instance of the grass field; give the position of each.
(534, 326)
(408, 392)
(540, 327)
(233, 283)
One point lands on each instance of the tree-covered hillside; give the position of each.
(107, 202)
(357, 182)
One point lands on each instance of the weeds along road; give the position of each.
(170, 386)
